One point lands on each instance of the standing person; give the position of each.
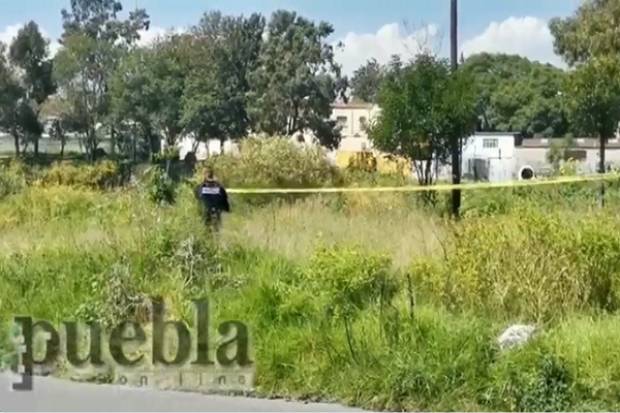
(214, 200)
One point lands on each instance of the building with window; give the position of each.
(490, 156)
(353, 120)
(498, 157)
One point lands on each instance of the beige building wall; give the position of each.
(353, 119)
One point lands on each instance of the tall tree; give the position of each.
(594, 92)
(297, 80)
(29, 52)
(517, 95)
(426, 107)
(589, 40)
(592, 31)
(225, 52)
(10, 95)
(366, 81)
(147, 90)
(94, 40)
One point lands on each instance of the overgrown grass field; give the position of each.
(376, 301)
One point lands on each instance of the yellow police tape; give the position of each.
(438, 188)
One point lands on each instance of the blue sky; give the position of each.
(368, 26)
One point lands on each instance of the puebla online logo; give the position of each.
(163, 354)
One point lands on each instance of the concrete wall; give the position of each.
(351, 118)
(498, 150)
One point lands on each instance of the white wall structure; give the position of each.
(202, 150)
(490, 156)
(353, 118)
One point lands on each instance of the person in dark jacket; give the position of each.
(214, 201)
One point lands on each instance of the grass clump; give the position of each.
(529, 265)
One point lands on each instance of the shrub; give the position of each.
(159, 186)
(104, 174)
(350, 279)
(531, 265)
(274, 162)
(12, 178)
(531, 379)
(586, 346)
(38, 205)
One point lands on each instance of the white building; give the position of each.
(354, 119)
(490, 156)
(498, 157)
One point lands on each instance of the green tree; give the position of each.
(16, 114)
(225, 50)
(594, 91)
(29, 52)
(591, 32)
(589, 41)
(94, 40)
(297, 80)
(517, 95)
(147, 91)
(366, 81)
(426, 110)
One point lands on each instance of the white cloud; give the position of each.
(526, 36)
(389, 40)
(147, 37)
(10, 33)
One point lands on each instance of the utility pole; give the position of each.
(457, 145)
(602, 168)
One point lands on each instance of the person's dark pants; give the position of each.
(213, 219)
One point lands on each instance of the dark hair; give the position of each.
(210, 174)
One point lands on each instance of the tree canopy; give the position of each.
(366, 81)
(225, 52)
(426, 110)
(594, 90)
(29, 52)
(296, 80)
(591, 32)
(94, 40)
(518, 95)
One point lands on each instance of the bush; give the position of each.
(274, 162)
(529, 265)
(12, 178)
(350, 279)
(101, 175)
(159, 186)
(531, 379)
(37, 205)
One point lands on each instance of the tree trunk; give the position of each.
(91, 145)
(112, 140)
(36, 145)
(601, 168)
(456, 145)
(16, 141)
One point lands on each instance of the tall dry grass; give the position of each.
(296, 229)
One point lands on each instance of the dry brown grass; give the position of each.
(295, 230)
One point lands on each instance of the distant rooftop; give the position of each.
(579, 143)
(352, 105)
(498, 134)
